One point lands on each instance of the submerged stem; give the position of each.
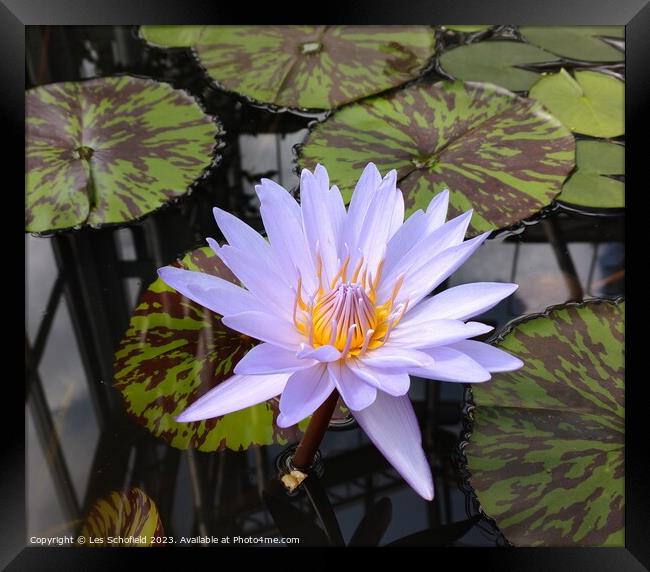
(306, 450)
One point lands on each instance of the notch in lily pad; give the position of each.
(111, 150)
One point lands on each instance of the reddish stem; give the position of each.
(306, 450)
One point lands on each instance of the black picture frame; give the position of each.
(634, 14)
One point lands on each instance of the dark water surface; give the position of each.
(83, 286)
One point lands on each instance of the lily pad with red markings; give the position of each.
(305, 67)
(173, 352)
(111, 150)
(500, 154)
(546, 453)
(128, 515)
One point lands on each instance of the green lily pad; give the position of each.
(546, 454)
(590, 186)
(495, 62)
(306, 67)
(500, 154)
(577, 42)
(173, 352)
(110, 150)
(468, 29)
(172, 36)
(130, 515)
(592, 103)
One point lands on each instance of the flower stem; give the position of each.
(304, 455)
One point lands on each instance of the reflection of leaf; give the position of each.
(546, 451)
(173, 352)
(110, 150)
(577, 42)
(445, 535)
(590, 186)
(500, 154)
(130, 515)
(591, 103)
(314, 67)
(495, 62)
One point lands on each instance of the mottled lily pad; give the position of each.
(546, 454)
(591, 186)
(591, 103)
(577, 42)
(173, 352)
(305, 67)
(500, 154)
(110, 150)
(130, 515)
(498, 62)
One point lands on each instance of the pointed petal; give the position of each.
(393, 356)
(323, 214)
(237, 392)
(392, 381)
(452, 365)
(214, 293)
(361, 198)
(267, 358)
(265, 327)
(305, 391)
(425, 278)
(461, 302)
(240, 235)
(323, 353)
(356, 393)
(391, 425)
(283, 224)
(491, 358)
(261, 280)
(437, 210)
(430, 333)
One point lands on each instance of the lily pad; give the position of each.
(496, 62)
(500, 154)
(173, 352)
(467, 29)
(591, 103)
(131, 514)
(306, 67)
(546, 454)
(110, 150)
(577, 42)
(590, 186)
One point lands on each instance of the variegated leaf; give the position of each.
(173, 352)
(130, 515)
(500, 154)
(307, 67)
(110, 150)
(546, 454)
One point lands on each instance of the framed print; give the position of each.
(355, 282)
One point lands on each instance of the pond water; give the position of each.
(83, 286)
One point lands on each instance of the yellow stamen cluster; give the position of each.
(345, 313)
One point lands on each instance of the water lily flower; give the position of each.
(339, 301)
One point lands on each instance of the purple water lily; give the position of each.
(339, 301)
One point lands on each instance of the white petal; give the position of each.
(389, 355)
(361, 198)
(214, 293)
(491, 358)
(418, 258)
(437, 210)
(391, 425)
(240, 235)
(420, 283)
(392, 381)
(356, 393)
(452, 365)
(323, 215)
(267, 358)
(237, 392)
(258, 277)
(422, 333)
(461, 302)
(305, 391)
(323, 353)
(265, 327)
(283, 224)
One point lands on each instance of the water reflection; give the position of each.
(83, 287)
